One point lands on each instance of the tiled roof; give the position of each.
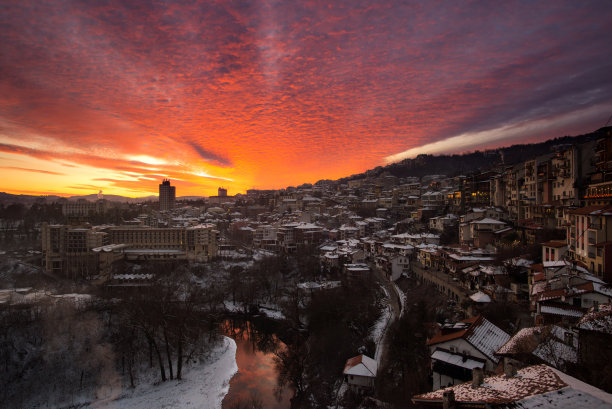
(482, 335)
(530, 381)
(454, 335)
(598, 321)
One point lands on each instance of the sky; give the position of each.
(117, 95)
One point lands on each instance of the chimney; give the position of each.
(509, 369)
(477, 376)
(448, 399)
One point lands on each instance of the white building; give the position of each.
(360, 373)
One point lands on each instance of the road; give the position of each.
(395, 308)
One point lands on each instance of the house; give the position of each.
(440, 223)
(399, 265)
(360, 373)
(537, 386)
(452, 368)
(562, 291)
(550, 345)
(475, 340)
(554, 250)
(476, 231)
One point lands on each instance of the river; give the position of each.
(255, 384)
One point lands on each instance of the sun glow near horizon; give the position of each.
(117, 97)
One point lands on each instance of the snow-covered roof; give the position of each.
(487, 220)
(456, 359)
(361, 365)
(480, 333)
(480, 297)
(487, 338)
(550, 309)
(458, 257)
(133, 276)
(108, 248)
(530, 388)
(547, 343)
(569, 398)
(598, 319)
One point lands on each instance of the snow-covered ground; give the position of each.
(402, 298)
(202, 387)
(379, 329)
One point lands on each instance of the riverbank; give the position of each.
(203, 386)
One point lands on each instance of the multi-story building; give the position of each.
(599, 190)
(84, 251)
(514, 181)
(294, 237)
(265, 237)
(67, 250)
(82, 208)
(167, 195)
(589, 237)
(143, 243)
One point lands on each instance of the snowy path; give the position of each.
(393, 311)
(202, 387)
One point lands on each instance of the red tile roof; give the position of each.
(454, 335)
(500, 389)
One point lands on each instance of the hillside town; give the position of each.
(520, 255)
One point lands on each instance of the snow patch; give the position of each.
(202, 387)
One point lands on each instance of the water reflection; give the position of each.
(255, 384)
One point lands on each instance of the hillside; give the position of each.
(453, 165)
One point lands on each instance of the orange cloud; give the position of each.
(254, 94)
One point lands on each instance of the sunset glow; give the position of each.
(116, 96)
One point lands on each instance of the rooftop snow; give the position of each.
(598, 321)
(361, 365)
(499, 389)
(487, 338)
(480, 297)
(456, 359)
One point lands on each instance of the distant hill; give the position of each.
(453, 165)
(28, 200)
(7, 198)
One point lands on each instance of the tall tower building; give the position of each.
(222, 192)
(167, 195)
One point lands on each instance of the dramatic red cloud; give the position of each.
(118, 95)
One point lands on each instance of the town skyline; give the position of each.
(261, 95)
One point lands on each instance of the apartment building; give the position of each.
(589, 238)
(85, 251)
(82, 208)
(67, 250)
(599, 192)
